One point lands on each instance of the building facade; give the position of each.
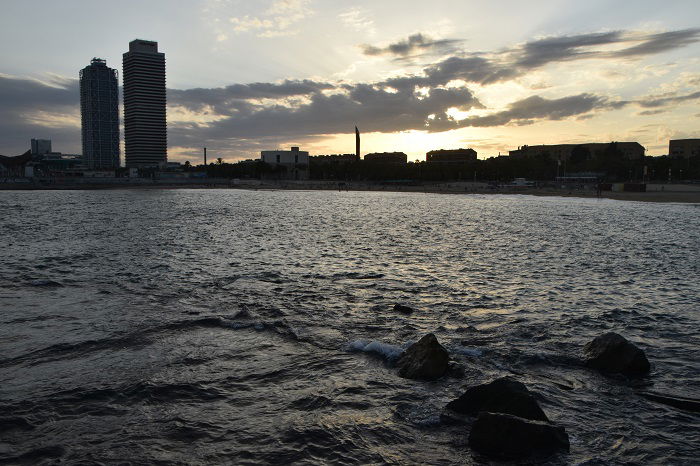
(684, 148)
(99, 115)
(451, 156)
(145, 131)
(386, 157)
(288, 164)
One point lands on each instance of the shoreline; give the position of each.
(657, 196)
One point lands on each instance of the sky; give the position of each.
(251, 75)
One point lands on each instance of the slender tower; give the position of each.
(357, 144)
(99, 115)
(145, 133)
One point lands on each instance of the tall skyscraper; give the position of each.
(357, 144)
(99, 115)
(145, 135)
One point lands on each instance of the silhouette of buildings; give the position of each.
(357, 144)
(333, 159)
(41, 146)
(287, 164)
(145, 132)
(386, 157)
(684, 148)
(563, 152)
(99, 115)
(450, 156)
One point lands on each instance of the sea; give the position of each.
(257, 327)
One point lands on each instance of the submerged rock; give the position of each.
(680, 402)
(506, 436)
(614, 353)
(504, 395)
(426, 360)
(403, 309)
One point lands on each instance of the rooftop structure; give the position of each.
(145, 131)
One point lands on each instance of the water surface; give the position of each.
(228, 326)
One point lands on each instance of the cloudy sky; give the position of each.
(247, 75)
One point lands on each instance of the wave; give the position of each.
(384, 350)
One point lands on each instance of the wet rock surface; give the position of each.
(401, 309)
(504, 395)
(425, 360)
(613, 353)
(505, 436)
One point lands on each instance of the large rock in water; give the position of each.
(426, 360)
(504, 395)
(507, 436)
(613, 353)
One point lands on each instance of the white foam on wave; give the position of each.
(385, 350)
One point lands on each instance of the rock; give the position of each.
(455, 370)
(426, 360)
(403, 309)
(613, 353)
(504, 395)
(680, 402)
(507, 436)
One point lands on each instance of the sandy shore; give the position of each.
(691, 196)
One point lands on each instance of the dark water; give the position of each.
(256, 327)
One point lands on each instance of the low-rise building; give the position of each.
(289, 164)
(630, 150)
(386, 157)
(450, 156)
(684, 148)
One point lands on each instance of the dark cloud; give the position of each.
(562, 48)
(197, 97)
(661, 42)
(374, 108)
(531, 109)
(484, 68)
(413, 46)
(21, 99)
(651, 112)
(661, 101)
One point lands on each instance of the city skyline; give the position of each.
(253, 77)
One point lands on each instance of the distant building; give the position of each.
(451, 156)
(684, 148)
(41, 146)
(99, 115)
(289, 164)
(357, 144)
(630, 150)
(145, 132)
(332, 159)
(386, 157)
